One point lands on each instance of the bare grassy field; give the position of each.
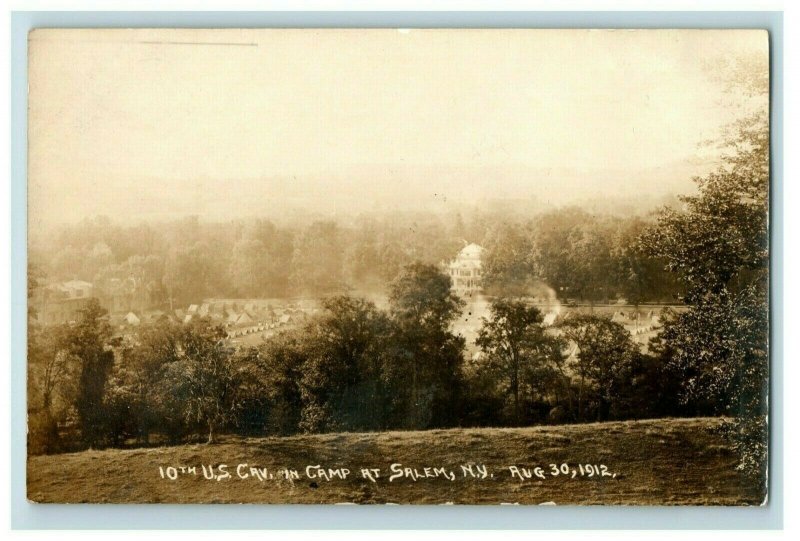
(668, 461)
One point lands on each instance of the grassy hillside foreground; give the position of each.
(671, 461)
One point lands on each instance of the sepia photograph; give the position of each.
(398, 266)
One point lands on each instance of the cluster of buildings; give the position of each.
(238, 316)
(129, 302)
(61, 303)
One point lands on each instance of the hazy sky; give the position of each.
(143, 123)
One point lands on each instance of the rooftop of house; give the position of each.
(470, 251)
(72, 289)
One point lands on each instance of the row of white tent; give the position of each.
(284, 320)
(238, 319)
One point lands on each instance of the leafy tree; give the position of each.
(508, 260)
(89, 342)
(51, 386)
(275, 386)
(35, 280)
(139, 278)
(50, 363)
(260, 261)
(513, 341)
(188, 273)
(254, 404)
(49, 370)
(581, 255)
(590, 261)
(342, 381)
(376, 255)
(604, 357)
(422, 296)
(719, 240)
(317, 260)
(718, 247)
(249, 264)
(573, 253)
(98, 257)
(67, 263)
(156, 346)
(205, 377)
(426, 357)
(639, 277)
(719, 347)
(483, 405)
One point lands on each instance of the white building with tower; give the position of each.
(466, 271)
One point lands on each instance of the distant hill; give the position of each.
(377, 188)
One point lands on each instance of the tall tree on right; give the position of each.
(718, 247)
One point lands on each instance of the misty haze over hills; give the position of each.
(312, 124)
(378, 189)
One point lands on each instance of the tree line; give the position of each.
(583, 256)
(353, 367)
